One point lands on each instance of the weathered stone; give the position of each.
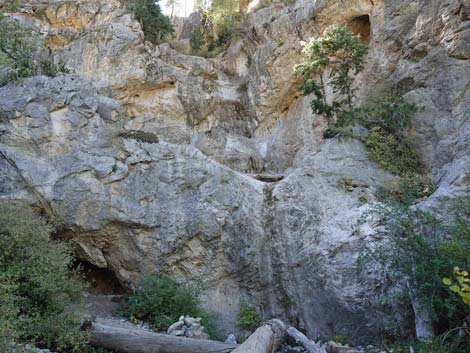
(231, 339)
(175, 198)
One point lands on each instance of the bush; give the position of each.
(392, 114)
(392, 153)
(389, 119)
(156, 26)
(407, 190)
(422, 250)
(161, 301)
(344, 340)
(22, 52)
(197, 39)
(219, 23)
(433, 346)
(343, 53)
(224, 16)
(36, 284)
(248, 318)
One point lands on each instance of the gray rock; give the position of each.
(185, 205)
(231, 339)
(190, 24)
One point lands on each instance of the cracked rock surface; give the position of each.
(146, 153)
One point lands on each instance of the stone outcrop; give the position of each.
(190, 327)
(145, 153)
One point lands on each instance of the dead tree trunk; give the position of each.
(130, 340)
(302, 340)
(266, 339)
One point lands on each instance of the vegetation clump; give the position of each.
(344, 340)
(248, 318)
(36, 284)
(161, 301)
(157, 27)
(22, 52)
(219, 23)
(420, 252)
(332, 60)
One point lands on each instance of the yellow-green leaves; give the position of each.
(461, 286)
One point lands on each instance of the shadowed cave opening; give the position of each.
(361, 26)
(101, 281)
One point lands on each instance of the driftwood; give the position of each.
(266, 339)
(132, 340)
(300, 339)
(267, 178)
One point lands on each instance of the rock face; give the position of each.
(145, 153)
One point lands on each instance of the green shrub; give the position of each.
(157, 27)
(219, 23)
(408, 189)
(453, 344)
(422, 249)
(197, 39)
(22, 52)
(343, 54)
(345, 340)
(392, 153)
(248, 318)
(224, 15)
(161, 301)
(36, 284)
(392, 114)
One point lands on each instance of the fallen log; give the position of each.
(134, 340)
(268, 178)
(300, 339)
(266, 339)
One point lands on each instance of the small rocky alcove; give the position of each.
(360, 25)
(101, 281)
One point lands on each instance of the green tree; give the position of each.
(156, 26)
(36, 284)
(421, 250)
(340, 54)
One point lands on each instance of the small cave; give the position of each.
(101, 281)
(361, 26)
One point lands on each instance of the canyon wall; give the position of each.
(146, 153)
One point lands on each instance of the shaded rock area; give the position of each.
(147, 155)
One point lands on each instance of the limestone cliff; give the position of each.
(146, 152)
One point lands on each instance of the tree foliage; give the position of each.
(161, 300)
(36, 284)
(420, 249)
(339, 55)
(22, 52)
(157, 27)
